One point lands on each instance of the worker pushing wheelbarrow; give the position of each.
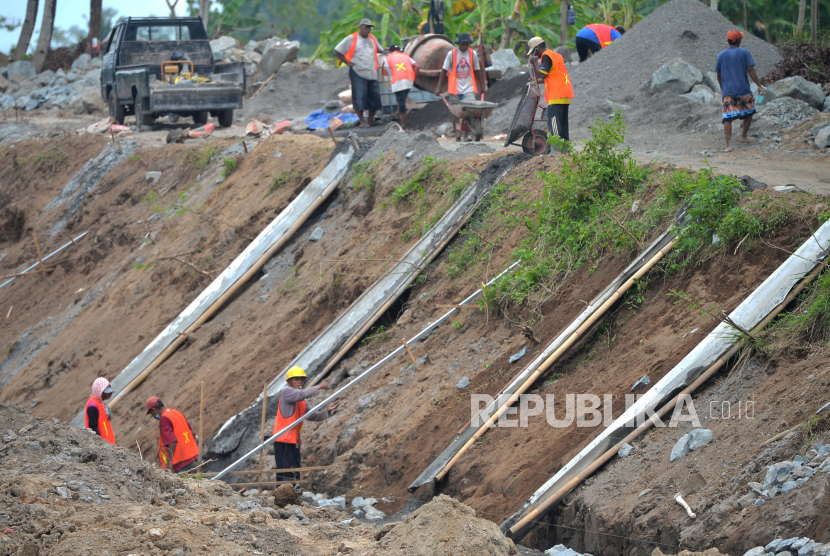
(464, 72)
(540, 104)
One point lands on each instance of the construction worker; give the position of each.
(177, 443)
(292, 406)
(551, 71)
(594, 37)
(733, 66)
(402, 71)
(359, 51)
(460, 67)
(97, 415)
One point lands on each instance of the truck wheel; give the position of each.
(116, 109)
(143, 120)
(200, 118)
(226, 118)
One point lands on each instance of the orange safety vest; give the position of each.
(603, 33)
(104, 425)
(350, 54)
(186, 445)
(452, 83)
(292, 436)
(400, 67)
(557, 81)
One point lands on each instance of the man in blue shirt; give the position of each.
(733, 66)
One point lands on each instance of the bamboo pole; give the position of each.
(262, 434)
(491, 421)
(255, 472)
(409, 351)
(721, 361)
(201, 423)
(269, 484)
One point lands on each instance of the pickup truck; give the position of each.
(160, 66)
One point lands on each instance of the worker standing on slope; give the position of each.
(178, 447)
(290, 408)
(359, 51)
(550, 69)
(594, 37)
(97, 415)
(459, 70)
(402, 71)
(732, 67)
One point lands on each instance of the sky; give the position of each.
(72, 12)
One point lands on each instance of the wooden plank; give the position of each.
(409, 351)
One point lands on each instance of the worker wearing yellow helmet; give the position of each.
(292, 405)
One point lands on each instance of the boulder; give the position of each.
(221, 47)
(777, 472)
(44, 77)
(372, 513)
(757, 551)
(676, 76)
(251, 57)
(276, 53)
(92, 102)
(80, 63)
(91, 79)
(95, 63)
(801, 89)
(699, 438)
(4, 84)
(504, 59)
(710, 79)
(251, 46)
(563, 51)
(826, 105)
(681, 448)
(822, 139)
(6, 101)
(24, 68)
(31, 104)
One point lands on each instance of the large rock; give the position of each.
(701, 94)
(710, 79)
(285, 495)
(221, 47)
(676, 76)
(4, 84)
(504, 59)
(822, 139)
(276, 53)
(801, 89)
(699, 438)
(81, 62)
(681, 448)
(92, 102)
(826, 105)
(565, 52)
(24, 68)
(776, 474)
(6, 101)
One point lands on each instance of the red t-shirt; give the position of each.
(168, 437)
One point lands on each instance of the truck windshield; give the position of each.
(163, 32)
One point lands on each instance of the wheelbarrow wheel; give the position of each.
(535, 145)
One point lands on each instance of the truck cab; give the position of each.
(159, 66)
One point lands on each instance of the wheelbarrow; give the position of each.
(470, 115)
(530, 111)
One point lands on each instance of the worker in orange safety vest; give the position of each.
(402, 72)
(178, 446)
(359, 51)
(291, 406)
(594, 37)
(463, 73)
(551, 71)
(97, 416)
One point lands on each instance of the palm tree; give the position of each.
(28, 27)
(47, 24)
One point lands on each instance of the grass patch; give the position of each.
(203, 157)
(228, 166)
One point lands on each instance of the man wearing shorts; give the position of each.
(359, 51)
(733, 66)
(402, 71)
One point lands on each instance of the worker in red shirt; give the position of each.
(177, 443)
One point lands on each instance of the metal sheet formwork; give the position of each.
(276, 232)
(434, 468)
(756, 307)
(237, 435)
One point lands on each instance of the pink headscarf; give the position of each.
(98, 388)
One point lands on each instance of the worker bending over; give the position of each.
(402, 71)
(177, 443)
(550, 70)
(594, 37)
(290, 408)
(359, 51)
(460, 67)
(97, 416)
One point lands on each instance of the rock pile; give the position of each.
(79, 88)
(262, 58)
(796, 546)
(787, 112)
(784, 477)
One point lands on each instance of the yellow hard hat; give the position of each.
(295, 372)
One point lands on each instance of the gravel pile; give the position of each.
(684, 29)
(786, 112)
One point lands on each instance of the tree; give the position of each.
(204, 11)
(28, 27)
(172, 6)
(799, 26)
(47, 24)
(94, 21)
(813, 21)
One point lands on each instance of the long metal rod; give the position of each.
(363, 375)
(570, 485)
(46, 258)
